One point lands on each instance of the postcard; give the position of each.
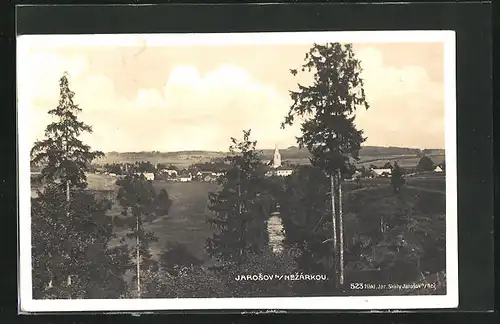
(244, 171)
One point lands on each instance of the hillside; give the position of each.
(368, 154)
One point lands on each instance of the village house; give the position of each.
(172, 173)
(208, 176)
(381, 172)
(438, 169)
(147, 175)
(283, 172)
(185, 177)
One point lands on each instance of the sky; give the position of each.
(196, 97)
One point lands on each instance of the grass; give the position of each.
(404, 161)
(186, 221)
(101, 182)
(432, 183)
(426, 209)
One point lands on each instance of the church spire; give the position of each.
(276, 158)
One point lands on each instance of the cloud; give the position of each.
(407, 107)
(202, 110)
(191, 110)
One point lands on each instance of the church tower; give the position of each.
(276, 158)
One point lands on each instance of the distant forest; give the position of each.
(291, 152)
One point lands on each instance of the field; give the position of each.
(179, 159)
(424, 194)
(429, 182)
(406, 157)
(404, 161)
(186, 221)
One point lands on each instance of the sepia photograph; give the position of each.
(237, 171)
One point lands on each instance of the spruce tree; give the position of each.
(140, 203)
(70, 231)
(327, 108)
(305, 217)
(238, 208)
(64, 157)
(425, 164)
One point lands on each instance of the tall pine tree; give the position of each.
(140, 203)
(327, 109)
(71, 232)
(239, 207)
(64, 157)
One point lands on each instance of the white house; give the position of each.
(438, 169)
(185, 177)
(381, 172)
(147, 175)
(284, 172)
(170, 172)
(279, 172)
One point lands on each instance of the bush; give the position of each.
(176, 257)
(190, 282)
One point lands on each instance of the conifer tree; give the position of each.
(71, 232)
(425, 164)
(239, 207)
(327, 108)
(65, 158)
(139, 201)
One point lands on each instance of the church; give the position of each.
(277, 169)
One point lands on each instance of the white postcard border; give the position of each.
(450, 300)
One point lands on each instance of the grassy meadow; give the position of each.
(186, 222)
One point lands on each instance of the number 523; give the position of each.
(356, 285)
